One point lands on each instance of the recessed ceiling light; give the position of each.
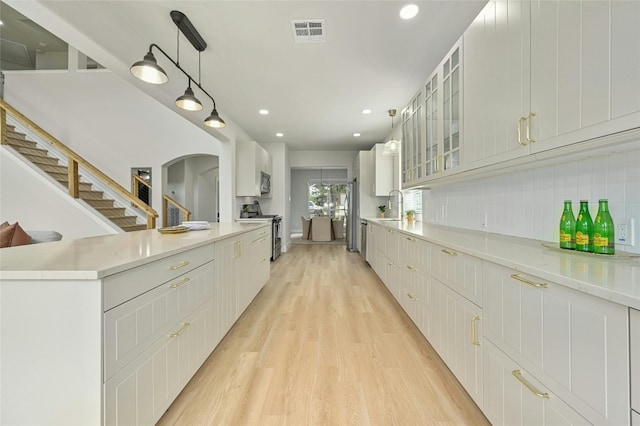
(409, 11)
(356, 135)
(279, 134)
(366, 111)
(264, 111)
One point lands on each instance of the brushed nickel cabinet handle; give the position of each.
(181, 283)
(449, 252)
(182, 265)
(518, 375)
(412, 297)
(532, 283)
(473, 331)
(411, 268)
(182, 330)
(411, 239)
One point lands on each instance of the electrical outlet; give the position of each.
(625, 232)
(485, 222)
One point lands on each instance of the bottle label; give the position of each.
(600, 241)
(582, 239)
(564, 237)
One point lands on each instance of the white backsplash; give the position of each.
(529, 203)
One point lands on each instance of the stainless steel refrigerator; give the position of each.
(353, 213)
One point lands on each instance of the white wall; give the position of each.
(280, 201)
(315, 159)
(529, 204)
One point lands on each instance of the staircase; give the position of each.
(96, 199)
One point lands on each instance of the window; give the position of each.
(413, 200)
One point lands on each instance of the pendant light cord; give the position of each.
(178, 47)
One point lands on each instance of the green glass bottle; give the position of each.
(584, 228)
(567, 227)
(603, 230)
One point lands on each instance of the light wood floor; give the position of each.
(323, 343)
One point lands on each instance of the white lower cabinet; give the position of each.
(456, 334)
(140, 393)
(461, 272)
(576, 344)
(527, 350)
(131, 327)
(415, 289)
(512, 396)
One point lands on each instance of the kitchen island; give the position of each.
(535, 334)
(109, 329)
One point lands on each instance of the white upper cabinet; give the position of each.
(432, 132)
(252, 161)
(543, 74)
(382, 171)
(496, 82)
(585, 70)
(412, 142)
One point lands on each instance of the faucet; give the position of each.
(401, 212)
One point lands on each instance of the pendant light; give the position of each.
(392, 146)
(214, 120)
(149, 71)
(188, 101)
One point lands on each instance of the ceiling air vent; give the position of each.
(308, 31)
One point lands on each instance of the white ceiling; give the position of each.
(315, 92)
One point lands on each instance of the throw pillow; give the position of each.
(13, 235)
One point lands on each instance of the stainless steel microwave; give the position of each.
(265, 183)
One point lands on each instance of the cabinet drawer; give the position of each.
(458, 271)
(133, 326)
(576, 344)
(513, 396)
(634, 321)
(140, 393)
(126, 285)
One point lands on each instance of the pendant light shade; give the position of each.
(149, 71)
(392, 146)
(214, 120)
(188, 101)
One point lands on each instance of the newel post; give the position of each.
(73, 178)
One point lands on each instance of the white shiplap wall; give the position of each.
(529, 203)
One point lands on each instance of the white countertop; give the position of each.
(609, 278)
(98, 257)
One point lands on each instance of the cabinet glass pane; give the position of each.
(446, 68)
(455, 81)
(455, 158)
(455, 58)
(455, 141)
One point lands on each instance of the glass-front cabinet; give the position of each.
(412, 142)
(431, 124)
(439, 147)
(451, 110)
